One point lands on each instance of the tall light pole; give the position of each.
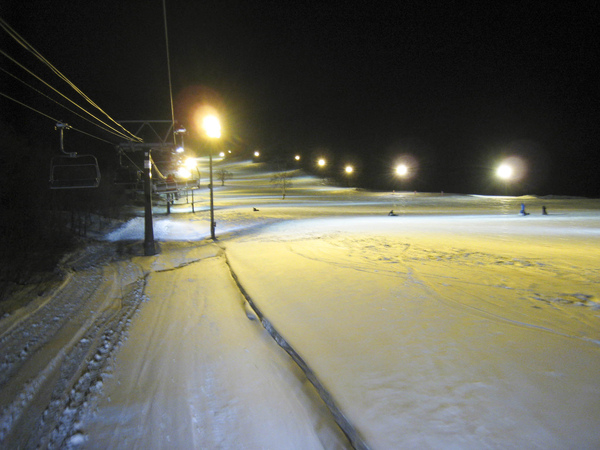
(349, 171)
(401, 172)
(149, 247)
(212, 127)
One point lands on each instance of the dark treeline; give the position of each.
(38, 225)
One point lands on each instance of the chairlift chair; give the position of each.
(73, 171)
(127, 176)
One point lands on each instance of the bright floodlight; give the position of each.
(504, 171)
(349, 169)
(222, 154)
(401, 170)
(179, 150)
(184, 173)
(297, 157)
(212, 126)
(191, 163)
(256, 154)
(321, 162)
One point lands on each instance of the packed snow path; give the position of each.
(55, 349)
(197, 373)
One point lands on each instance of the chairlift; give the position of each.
(73, 171)
(127, 175)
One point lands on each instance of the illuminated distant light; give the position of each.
(212, 126)
(184, 173)
(190, 163)
(504, 171)
(349, 169)
(256, 154)
(229, 151)
(321, 162)
(179, 150)
(297, 157)
(222, 154)
(402, 170)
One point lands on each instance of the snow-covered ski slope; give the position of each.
(456, 323)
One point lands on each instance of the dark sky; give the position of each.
(456, 87)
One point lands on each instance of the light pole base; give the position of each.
(149, 248)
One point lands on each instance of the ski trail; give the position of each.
(352, 434)
(466, 308)
(68, 340)
(195, 370)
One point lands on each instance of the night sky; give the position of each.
(451, 86)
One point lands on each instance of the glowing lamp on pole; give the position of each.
(401, 170)
(349, 170)
(505, 172)
(212, 128)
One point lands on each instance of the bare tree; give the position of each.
(224, 175)
(283, 178)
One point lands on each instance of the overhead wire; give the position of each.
(124, 136)
(52, 118)
(131, 160)
(21, 41)
(27, 106)
(38, 55)
(169, 70)
(58, 103)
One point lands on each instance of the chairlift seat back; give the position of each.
(74, 172)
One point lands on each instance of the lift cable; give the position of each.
(131, 160)
(160, 175)
(52, 118)
(169, 70)
(120, 135)
(127, 135)
(38, 55)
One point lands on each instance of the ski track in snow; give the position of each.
(54, 355)
(184, 340)
(197, 372)
(391, 258)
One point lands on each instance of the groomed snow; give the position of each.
(456, 323)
